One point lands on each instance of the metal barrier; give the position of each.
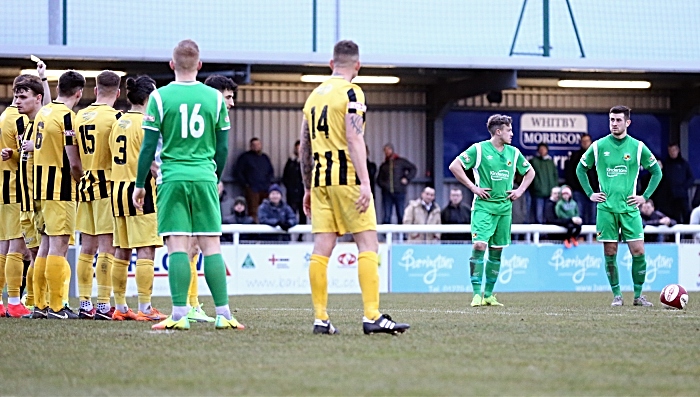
(532, 232)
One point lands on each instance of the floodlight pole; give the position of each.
(546, 44)
(545, 28)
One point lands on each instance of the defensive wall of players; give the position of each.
(526, 267)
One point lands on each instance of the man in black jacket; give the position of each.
(254, 172)
(681, 179)
(587, 208)
(456, 213)
(291, 178)
(394, 175)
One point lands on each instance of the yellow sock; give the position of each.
(144, 280)
(369, 283)
(120, 274)
(14, 265)
(54, 279)
(67, 274)
(85, 273)
(193, 292)
(318, 277)
(3, 258)
(103, 273)
(30, 286)
(40, 282)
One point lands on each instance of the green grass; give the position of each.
(539, 344)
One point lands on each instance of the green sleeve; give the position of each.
(221, 152)
(581, 173)
(146, 156)
(522, 165)
(654, 181)
(468, 157)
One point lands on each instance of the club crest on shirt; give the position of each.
(509, 163)
(627, 157)
(87, 116)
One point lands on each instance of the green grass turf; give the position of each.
(539, 344)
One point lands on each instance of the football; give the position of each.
(674, 296)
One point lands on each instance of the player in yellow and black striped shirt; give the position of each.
(94, 220)
(133, 228)
(56, 169)
(337, 193)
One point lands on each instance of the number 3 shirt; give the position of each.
(325, 112)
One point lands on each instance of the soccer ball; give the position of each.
(674, 296)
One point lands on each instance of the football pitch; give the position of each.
(538, 344)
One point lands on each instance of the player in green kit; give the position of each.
(617, 158)
(495, 163)
(189, 122)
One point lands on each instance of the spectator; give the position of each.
(587, 208)
(423, 211)
(394, 175)
(275, 212)
(239, 216)
(695, 220)
(546, 178)
(456, 213)
(254, 172)
(661, 197)
(652, 217)
(567, 210)
(372, 170)
(681, 179)
(550, 213)
(291, 177)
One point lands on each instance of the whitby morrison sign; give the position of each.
(558, 131)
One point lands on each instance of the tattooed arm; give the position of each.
(354, 133)
(307, 164)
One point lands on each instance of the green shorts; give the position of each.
(491, 229)
(608, 226)
(188, 208)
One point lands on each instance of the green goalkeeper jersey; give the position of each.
(188, 116)
(617, 163)
(494, 170)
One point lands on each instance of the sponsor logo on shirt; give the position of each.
(500, 175)
(526, 164)
(466, 158)
(46, 111)
(87, 116)
(617, 171)
(148, 117)
(124, 124)
(69, 133)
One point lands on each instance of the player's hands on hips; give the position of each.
(514, 194)
(598, 197)
(6, 154)
(137, 197)
(482, 192)
(306, 203)
(636, 201)
(363, 201)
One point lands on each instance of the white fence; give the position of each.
(394, 233)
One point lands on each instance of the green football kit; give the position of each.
(192, 123)
(186, 131)
(491, 217)
(495, 170)
(617, 163)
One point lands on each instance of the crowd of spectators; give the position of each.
(548, 201)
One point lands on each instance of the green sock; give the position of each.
(639, 273)
(493, 266)
(179, 277)
(476, 270)
(612, 273)
(215, 274)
